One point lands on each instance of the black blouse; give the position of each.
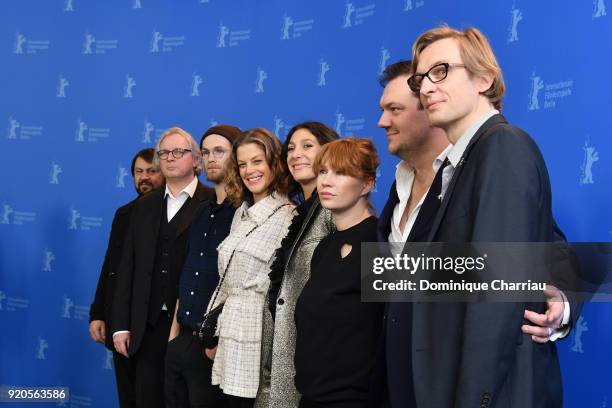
(337, 334)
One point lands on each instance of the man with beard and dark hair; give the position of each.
(188, 370)
(147, 177)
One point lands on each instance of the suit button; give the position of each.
(212, 215)
(187, 313)
(192, 293)
(197, 273)
(206, 233)
(201, 253)
(281, 302)
(164, 271)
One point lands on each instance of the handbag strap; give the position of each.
(232, 256)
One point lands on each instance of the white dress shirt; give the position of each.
(174, 204)
(404, 178)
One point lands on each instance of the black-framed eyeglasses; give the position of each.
(435, 74)
(176, 153)
(217, 153)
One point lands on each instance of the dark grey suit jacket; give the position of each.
(133, 290)
(474, 354)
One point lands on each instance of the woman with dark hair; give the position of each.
(337, 334)
(291, 267)
(255, 182)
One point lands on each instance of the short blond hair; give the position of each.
(476, 53)
(193, 145)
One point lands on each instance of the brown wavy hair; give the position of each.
(476, 53)
(355, 157)
(235, 188)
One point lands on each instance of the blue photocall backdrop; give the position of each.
(85, 84)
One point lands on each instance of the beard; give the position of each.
(144, 187)
(215, 177)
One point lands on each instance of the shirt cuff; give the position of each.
(564, 330)
(120, 332)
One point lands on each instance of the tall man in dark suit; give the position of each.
(407, 216)
(495, 188)
(153, 257)
(146, 179)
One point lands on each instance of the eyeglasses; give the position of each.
(217, 153)
(435, 74)
(176, 153)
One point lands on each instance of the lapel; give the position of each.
(155, 212)
(386, 216)
(192, 206)
(486, 127)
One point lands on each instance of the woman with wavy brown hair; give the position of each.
(255, 182)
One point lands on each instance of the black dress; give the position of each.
(337, 334)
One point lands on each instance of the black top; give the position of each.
(200, 274)
(337, 334)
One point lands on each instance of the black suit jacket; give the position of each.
(101, 308)
(133, 291)
(474, 354)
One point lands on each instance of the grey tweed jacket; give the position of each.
(277, 385)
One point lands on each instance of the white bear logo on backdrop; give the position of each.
(581, 327)
(41, 348)
(121, 175)
(148, 130)
(62, 84)
(7, 210)
(56, 170)
(20, 40)
(323, 69)
(48, 258)
(259, 82)
(81, 128)
(599, 8)
(88, 43)
(516, 17)
(130, 83)
(157, 37)
(74, 217)
(590, 157)
(348, 14)
(537, 84)
(67, 307)
(196, 81)
(384, 59)
(2, 297)
(223, 32)
(136, 4)
(108, 360)
(287, 23)
(12, 129)
(339, 122)
(68, 5)
(279, 126)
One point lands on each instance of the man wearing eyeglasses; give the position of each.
(188, 370)
(153, 257)
(494, 188)
(147, 178)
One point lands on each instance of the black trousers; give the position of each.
(239, 402)
(188, 375)
(148, 364)
(125, 376)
